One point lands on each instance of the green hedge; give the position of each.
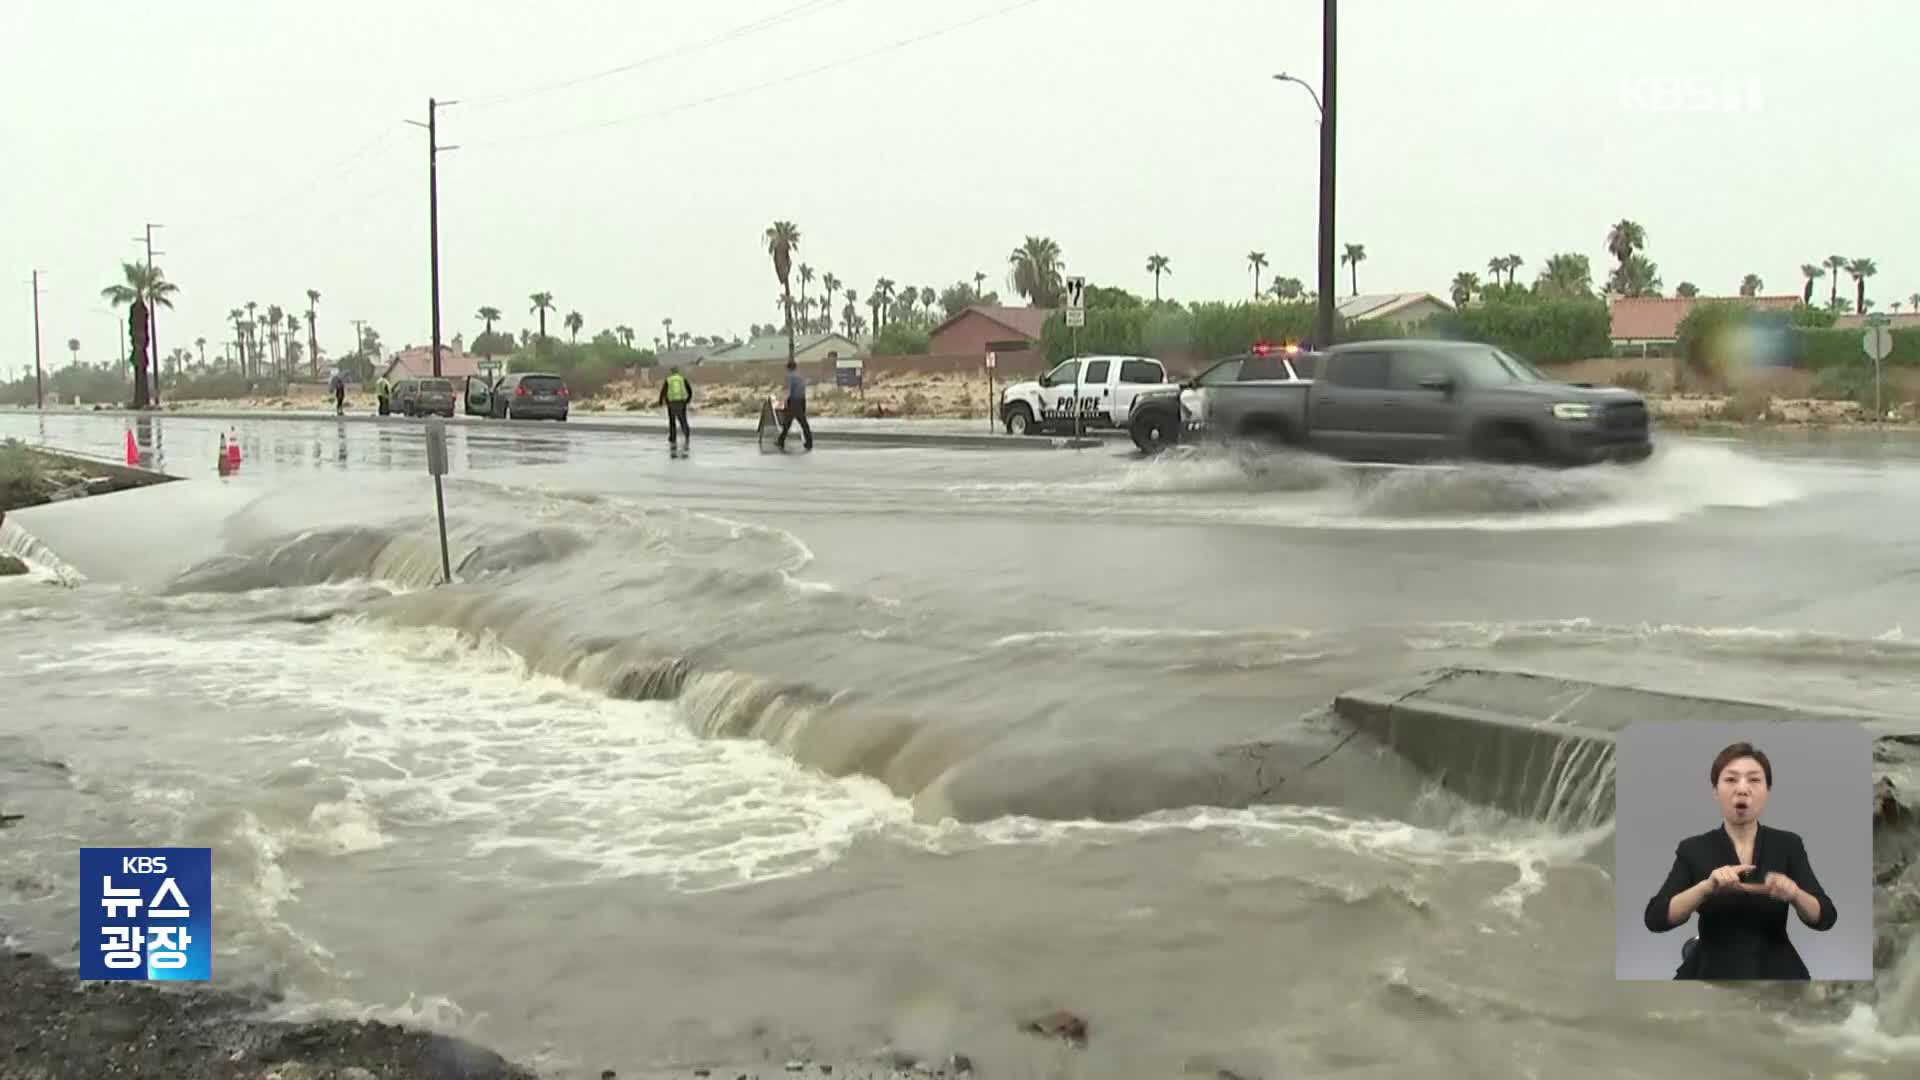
(1206, 331)
(1782, 339)
(1544, 331)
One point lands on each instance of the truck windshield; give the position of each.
(1063, 373)
(1491, 367)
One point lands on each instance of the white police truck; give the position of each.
(1100, 390)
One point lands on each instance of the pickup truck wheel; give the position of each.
(1153, 431)
(1020, 420)
(1509, 448)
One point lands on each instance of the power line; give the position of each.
(786, 15)
(756, 87)
(279, 203)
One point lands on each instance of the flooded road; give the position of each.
(700, 759)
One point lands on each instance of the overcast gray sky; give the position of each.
(267, 138)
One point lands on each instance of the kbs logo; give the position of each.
(146, 914)
(1690, 93)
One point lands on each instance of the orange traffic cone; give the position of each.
(133, 451)
(233, 447)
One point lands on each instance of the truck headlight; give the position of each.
(1573, 410)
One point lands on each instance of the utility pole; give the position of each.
(153, 335)
(1323, 318)
(433, 215)
(39, 388)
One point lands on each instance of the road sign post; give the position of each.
(437, 466)
(1076, 318)
(1878, 342)
(990, 416)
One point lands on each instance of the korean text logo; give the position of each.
(146, 914)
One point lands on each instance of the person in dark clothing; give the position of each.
(796, 409)
(1742, 878)
(339, 392)
(675, 393)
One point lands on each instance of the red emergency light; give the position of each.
(1261, 348)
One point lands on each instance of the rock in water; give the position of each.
(11, 567)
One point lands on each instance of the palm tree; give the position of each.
(980, 284)
(239, 335)
(1686, 290)
(253, 342)
(848, 313)
(1497, 266)
(313, 342)
(145, 287)
(1812, 273)
(1568, 274)
(667, 325)
(1861, 270)
(831, 286)
(1288, 288)
(883, 288)
(1625, 238)
(927, 299)
(806, 279)
(274, 315)
(1514, 263)
(1256, 261)
(1156, 265)
(1751, 285)
(73, 346)
(1354, 256)
(909, 296)
(1913, 302)
(1836, 265)
(200, 343)
(293, 344)
(1638, 276)
(783, 239)
(1034, 272)
(1465, 284)
(625, 334)
(574, 322)
(542, 303)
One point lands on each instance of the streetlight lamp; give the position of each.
(1324, 102)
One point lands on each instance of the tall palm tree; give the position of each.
(806, 279)
(1496, 266)
(1034, 272)
(883, 288)
(1625, 238)
(1861, 270)
(980, 284)
(73, 346)
(848, 313)
(625, 334)
(1514, 263)
(293, 342)
(1156, 265)
(1568, 274)
(1913, 302)
(274, 316)
(542, 303)
(1257, 261)
(1353, 256)
(927, 299)
(313, 341)
(831, 286)
(783, 239)
(200, 343)
(253, 341)
(144, 287)
(1465, 284)
(908, 297)
(667, 325)
(239, 336)
(574, 322)
(1836, 265)
(1751, 285)
(1812, 273)
(1686, 290)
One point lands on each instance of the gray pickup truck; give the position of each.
(1399, 402)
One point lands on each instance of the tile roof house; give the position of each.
(1645, 321)
(983, 328)
(1407, 309)
(417, 363)
(806, 348)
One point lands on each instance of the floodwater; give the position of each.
(745, 756)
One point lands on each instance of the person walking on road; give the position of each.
(796, 408)
(675, 393)
(383, 390)
(339, 392)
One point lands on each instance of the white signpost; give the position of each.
(1878, 341)
(1076, 318)
(990, 417)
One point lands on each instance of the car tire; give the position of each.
(1019, 420)
(1154, 430)
(1509, 447)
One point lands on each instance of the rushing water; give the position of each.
(760, 754)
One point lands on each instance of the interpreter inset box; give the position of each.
(1743, 851)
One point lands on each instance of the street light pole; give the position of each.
(1324, 102)
(39, 390)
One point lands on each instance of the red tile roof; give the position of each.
(1025, 321)
(1658, 318)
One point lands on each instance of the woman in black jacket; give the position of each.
(1741, 877)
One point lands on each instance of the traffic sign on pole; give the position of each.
(1076, 293)
(1076, 316)
(1878, 341)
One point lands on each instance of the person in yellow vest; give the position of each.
(383, 390)
(675, 392)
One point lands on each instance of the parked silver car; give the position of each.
(423, 397)
(523, 395)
